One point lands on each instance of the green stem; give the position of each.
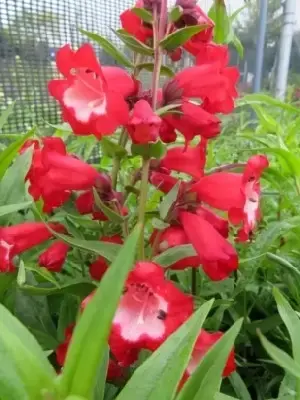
(194, 281)
(142, 203)
(116, 161)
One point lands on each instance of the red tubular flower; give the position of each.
(16, 239)
(53, 174)
(163, 182)
(92, 97)
(189, 160)
(62, 349)
(198, 81)
(192, 14)
(143, 124)
(221, 100)
(217, 256)
(151, 308)
(239, 194)
(220, 224)
(194, 121)
(54, 257)
(134, 25)
(114, 370)
(204, 342)
(174, 236)
(99, 267)
(167, 133)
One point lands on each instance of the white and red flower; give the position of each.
(92, 97)
(238, 194)
(151, 308)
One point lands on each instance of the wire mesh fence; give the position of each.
(30, 33)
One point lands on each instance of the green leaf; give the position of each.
(237, 12)
(159, 224)
(175, 14)
(144, 14)
(238, 46)
(159, 375)
(287, 390)
(109, 48)
(90, 337)
(34, 313)
(7, 155)
(107, 250)
(11, 385)
(261, 98)
(112, 149)
(21, 277)
(67, 314)
(168, 201)
(151, 150)
(239, 386)
(107, 211)
(280, 357)
(205, 381)
(4, 210)
(291, 321)
(218, 14)
(180, 37)
(101, 377)
(5, 114)
(221, 396)
(26, 354)
(174, 254)
(164, 70)
(290, 159)
(81, 288)
(6, 281)
(133, 43)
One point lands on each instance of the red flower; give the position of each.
(54, 174)
(198, 81)
(217, 256)
(220, 224)
(99, 267)
(85, 203)
(163, 182)
(222, 100)
(239, 194)
(167, 132)
(204, 342)
(92, 97)
(54, 257)
(190, 160)
(174, 236)
(134, 25)
(143, 124)
(62, 349)
(192, 14)
(114, 370)
(16, 239)
(150, 309)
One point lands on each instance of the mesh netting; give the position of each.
(31, 31)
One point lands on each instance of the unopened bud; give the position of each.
(149, 4)
(186, 3)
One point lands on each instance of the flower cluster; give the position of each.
(210, 210)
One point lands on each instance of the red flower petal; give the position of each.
(217, 256)
(163, 182)
(54, 257)
(221, 190)
(191, 161)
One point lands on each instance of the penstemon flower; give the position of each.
(164, 132)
